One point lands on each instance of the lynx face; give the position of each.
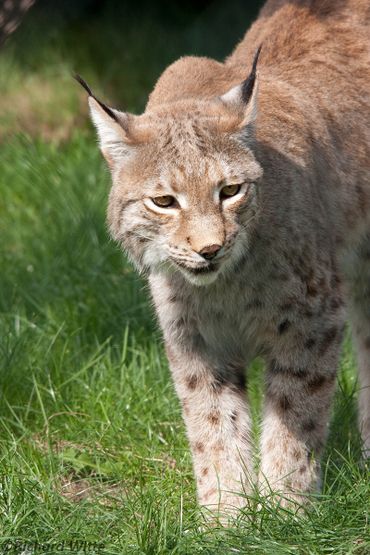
(185, 200)
(185, 181)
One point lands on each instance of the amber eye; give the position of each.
(229, 191)
(166, 201)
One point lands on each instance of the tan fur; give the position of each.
(294, 242)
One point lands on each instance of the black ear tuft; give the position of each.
(248, 85)
(83, 84)
(106, 108)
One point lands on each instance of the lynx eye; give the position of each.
(229, 191)
(165, 201)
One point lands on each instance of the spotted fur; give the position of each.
(294, 241)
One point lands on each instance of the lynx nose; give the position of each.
(209, 251)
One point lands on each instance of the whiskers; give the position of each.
(154, 251)
(145, 236)
(136, 233)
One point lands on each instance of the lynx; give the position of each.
(246, 202)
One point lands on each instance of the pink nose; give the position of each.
(209, 251)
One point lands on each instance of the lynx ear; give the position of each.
(113, 131)
(242, 99)
(112, 127)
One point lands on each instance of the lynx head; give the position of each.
(184, 180)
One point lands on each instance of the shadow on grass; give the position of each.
(120, 48)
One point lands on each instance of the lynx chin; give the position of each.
(243, 193)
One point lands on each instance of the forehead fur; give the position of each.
(190, 143)
(187, 119)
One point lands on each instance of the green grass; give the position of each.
(92, 442)
(92, 445)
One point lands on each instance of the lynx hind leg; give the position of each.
(359, 282)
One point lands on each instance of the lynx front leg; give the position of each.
(297, 409)
(218, 426)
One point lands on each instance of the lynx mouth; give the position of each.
(202, 270)
(203, 275)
